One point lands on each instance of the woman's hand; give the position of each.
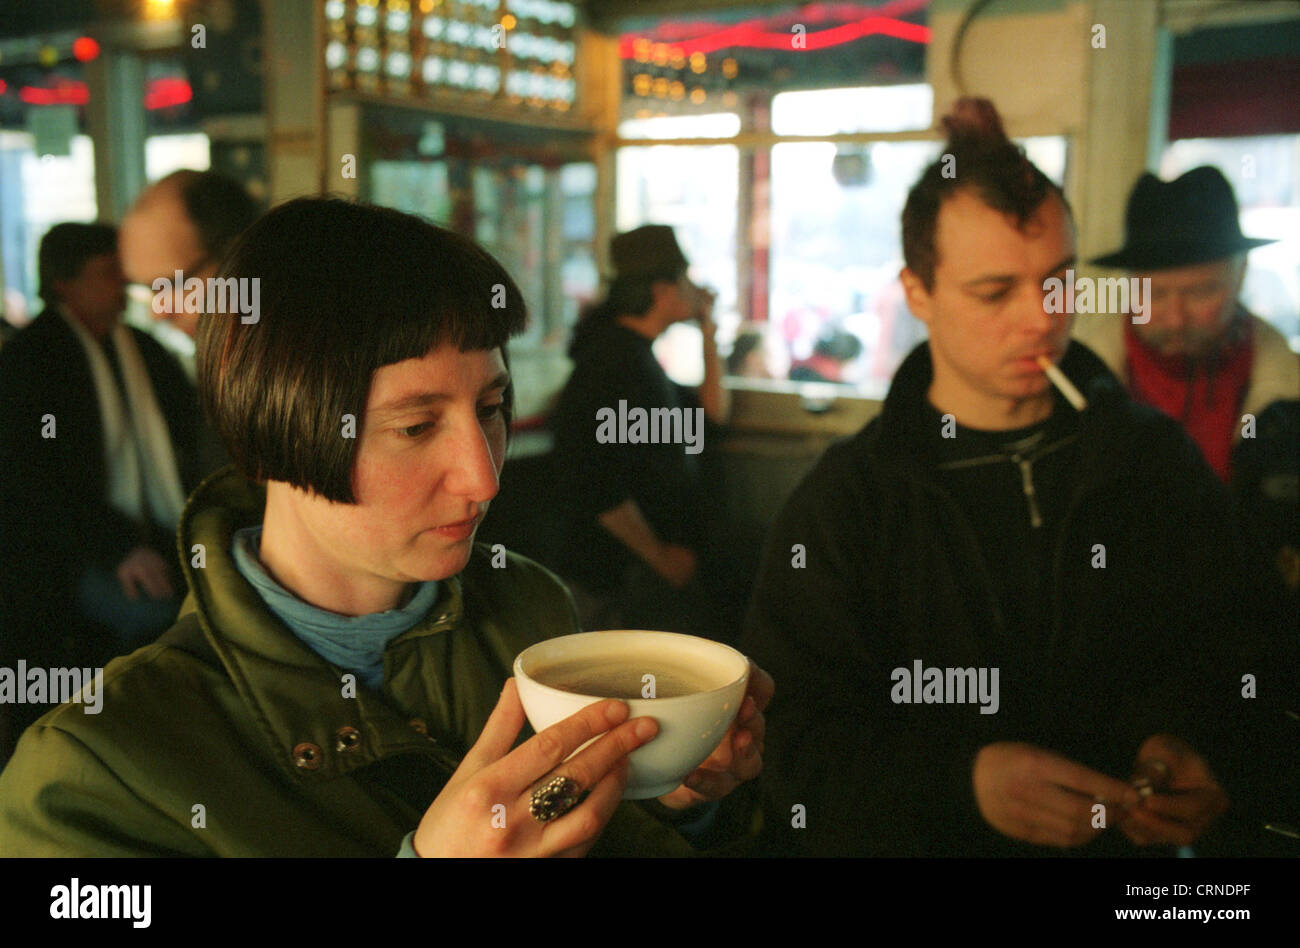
(739, 756)
(483, 809)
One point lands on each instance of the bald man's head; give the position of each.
(186, 221)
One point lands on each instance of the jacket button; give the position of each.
(349, 739)
(418, 725)
(307, 756)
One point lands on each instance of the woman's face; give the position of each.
(427, 465)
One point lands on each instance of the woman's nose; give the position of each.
(475, 473)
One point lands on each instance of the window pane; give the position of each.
(38, 193)
(693, 189)
(836, 253)
(164, 154)
(869, 109)
(713, 125)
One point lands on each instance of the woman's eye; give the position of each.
(488, 412)
(414, 431)
(995, 297)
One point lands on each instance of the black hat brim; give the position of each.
(1166, 256)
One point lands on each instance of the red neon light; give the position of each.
(671, 30)
(165, 93)
(64, 92)
(159, 94)
(84, 49)
(3, 87)
(755, 38)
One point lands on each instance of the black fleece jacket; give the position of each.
(1153, 642)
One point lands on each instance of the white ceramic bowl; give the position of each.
(690, 726)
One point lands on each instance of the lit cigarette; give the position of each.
(1072, 394)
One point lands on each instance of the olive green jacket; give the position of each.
(230, 737)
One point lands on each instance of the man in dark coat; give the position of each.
(66, 543)
(639, 506)
(990, 613)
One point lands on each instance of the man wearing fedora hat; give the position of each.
(637, 531)
(1201, 358)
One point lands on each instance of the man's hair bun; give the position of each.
(975, 122)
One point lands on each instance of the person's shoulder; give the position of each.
(46, 332)
(839, 486)
(117, 751)
(155, 353)
(1276, 373)
(167, 677)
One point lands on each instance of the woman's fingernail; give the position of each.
(646, 727)
(615, 712)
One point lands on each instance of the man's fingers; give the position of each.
(1147, 828)
(543, 752)
(1082, 780)
(500, 731)
(1196, 807)
(155, 581)
(127, 579)
(1065, 814)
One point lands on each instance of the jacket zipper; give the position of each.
(1027, 485)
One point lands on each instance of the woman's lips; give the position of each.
(458, 531)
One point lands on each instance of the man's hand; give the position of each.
(704, 300)
(676, 564)
(1034, 795)
(143, 569)
(738, 757)
(1190, 801)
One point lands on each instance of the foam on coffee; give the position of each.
(623, 677)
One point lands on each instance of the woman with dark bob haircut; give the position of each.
(337, 683)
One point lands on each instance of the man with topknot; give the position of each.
(998, 621)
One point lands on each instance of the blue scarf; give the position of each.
(355, 643)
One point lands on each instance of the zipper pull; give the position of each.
(1027, 482)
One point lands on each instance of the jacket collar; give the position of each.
(1274, 374)
(313, 723)
(903, 421)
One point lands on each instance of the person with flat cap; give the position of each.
(635, 514)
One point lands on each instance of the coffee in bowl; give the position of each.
(692, 686)
(635, 676)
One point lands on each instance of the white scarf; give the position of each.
(130, 438)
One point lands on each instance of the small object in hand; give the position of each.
(554, 800)
(1152, 777)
